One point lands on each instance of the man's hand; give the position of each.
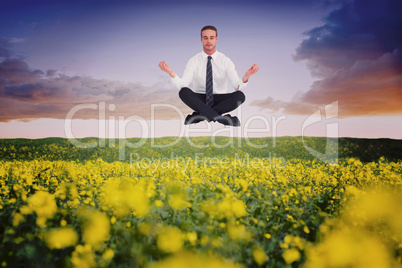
(164, 67)
(250, 72)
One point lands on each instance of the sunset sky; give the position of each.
(91, 61)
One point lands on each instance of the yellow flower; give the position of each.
(83, 257)
(158, 203)
(217, 243)
(44, 205)
(376, 209)
(170, 239)
(352, 191)
(177, 195)
(285, 199)
(192, 237)
(108, 254)
(239, 232)
(298, 242)
(288, 239)
(123, 196)
(349, 247)
(61, 238)
(204, 240)
(185, 259)
(95, 226)
(145, 228)
(178, 201)
(17, 219)
(259, 255)
(228, 208)
(239, 208)
(291, 255)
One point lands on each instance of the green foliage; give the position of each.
(111, 150)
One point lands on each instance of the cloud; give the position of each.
(27, 94)
(356, 55)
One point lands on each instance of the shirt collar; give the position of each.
(205, 55)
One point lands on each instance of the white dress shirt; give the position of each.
(222, 70)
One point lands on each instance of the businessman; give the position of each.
(209, 71)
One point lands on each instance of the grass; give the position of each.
(366, 150)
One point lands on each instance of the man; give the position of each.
(209, 71)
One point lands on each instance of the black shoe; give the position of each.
(194, 118)
(228, 120)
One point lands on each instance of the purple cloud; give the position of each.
(27, 94)
(356, 55)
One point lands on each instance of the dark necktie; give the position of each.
(209, 84)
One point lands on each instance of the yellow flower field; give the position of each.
(203, 212)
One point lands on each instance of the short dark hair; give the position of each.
(209, 27)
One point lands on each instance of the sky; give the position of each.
(90, 68)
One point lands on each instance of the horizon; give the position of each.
(187, 137)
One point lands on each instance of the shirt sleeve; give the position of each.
(187, 77)
(235, 81)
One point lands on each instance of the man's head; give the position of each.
(210, 27)
(209, 37)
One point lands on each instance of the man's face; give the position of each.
(209, 40)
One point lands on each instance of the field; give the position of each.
(201, 202)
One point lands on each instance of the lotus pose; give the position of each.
(209, 71)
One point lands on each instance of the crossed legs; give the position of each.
(223, 103)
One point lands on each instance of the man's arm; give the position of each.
(177, 81)
(250, 72)
(166, 68)
(237, 83)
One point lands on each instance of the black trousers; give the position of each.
(223, 103)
